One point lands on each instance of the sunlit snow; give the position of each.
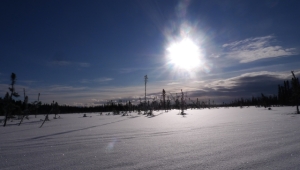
(234, 138)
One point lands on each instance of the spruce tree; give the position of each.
(164, 98)
(9, 106)
(295, 91)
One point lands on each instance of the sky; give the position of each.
(86, 53)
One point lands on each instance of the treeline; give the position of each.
(288, 95)
(45, 108)
(260, 101)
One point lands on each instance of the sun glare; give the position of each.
(184, 54)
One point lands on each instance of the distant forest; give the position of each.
(288, 95)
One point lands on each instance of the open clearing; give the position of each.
(234, 138)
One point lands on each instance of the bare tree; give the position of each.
(164, 98)
(295, 91)
(146, 80)
(54, 110)
(9, 106)
(26, 110)
(182, 103)
(37, 104)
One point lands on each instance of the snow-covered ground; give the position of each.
(248, 138)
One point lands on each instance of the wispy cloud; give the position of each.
(257, 48)
(247, 79)
(28, 82)
(18, 88)
(173, 83)
(130, 70)
(84, 64)
(69, 63)
(64, 88)
(245, 85)
(84, 81)
(97, 80)
(224, 89)
(127, 70)
(102, 80)
(61, 63)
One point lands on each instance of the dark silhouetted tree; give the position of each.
(295, 91)
(9, 105)
(146, 80)
(164, 98)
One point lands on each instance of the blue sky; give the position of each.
(88, 52)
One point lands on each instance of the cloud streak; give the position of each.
(58, 88)
(219, 90)
(102, 80)
(252, 49)
(64, 63)
(97, 80)
(245, 85)
(61, 63)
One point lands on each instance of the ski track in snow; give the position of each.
(234, 138)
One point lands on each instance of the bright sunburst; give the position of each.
(184, 54)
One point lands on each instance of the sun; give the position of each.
(184, 54)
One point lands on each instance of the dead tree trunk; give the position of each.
(296, 91)
(36, 111)
(46, 119)
(5, 120)
(25, 112)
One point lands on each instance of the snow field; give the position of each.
(234, 138)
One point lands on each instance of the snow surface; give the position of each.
(234, 138)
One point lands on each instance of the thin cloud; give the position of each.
(253, 49)
(31, 93)
(102, 80)
(173, 83)
(249, 79)
(28, 82)
(245, 85)
(64, 88)
(63, 63)
(84, 81)
(130, 70)
(127, 70)
(97, 80)
(219, 90)
(84, 64)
